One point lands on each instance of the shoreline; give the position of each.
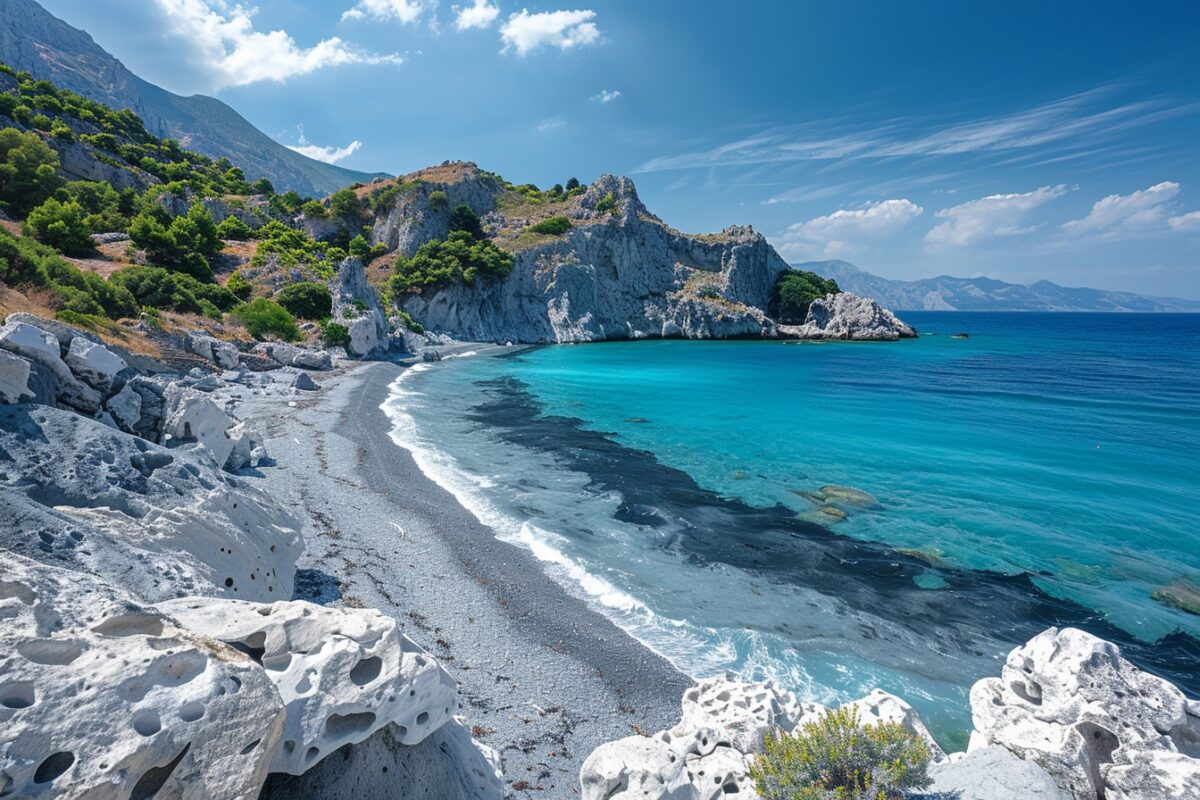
(543, 678)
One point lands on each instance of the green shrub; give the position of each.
(573, 184)
(607, 203)
(438, 199)
(794, 291)
(838, 758)
(409, 322)
(344, 204)
(459, 257)
(106, 209)
(239, 286)
(313, 209)
(184, 243)
(554, 226)
(262, 186)
(306, 300)
(263, 317)
(161, 288)
(463, 218)
(62, 226)
(233, 228)
(291, 247)
(28, 171)
(335, 334)
(26, 262)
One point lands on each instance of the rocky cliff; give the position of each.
(618, 271)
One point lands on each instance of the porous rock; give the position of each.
(94, 364)
(160, 523)
(849, 316)
(37, 345)
(1069, 702)
(342, 673)
(104, 698)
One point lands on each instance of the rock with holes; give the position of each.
(1158, 774)
(1069, 702)
(94, 364)
(635, 768)
(849, 316)
(343, 673)
(742, 711)
(160, 523)
(879, 706)
(14, 378)
(193, 417)
(35, 344)
(104, 698)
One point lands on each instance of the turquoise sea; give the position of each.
(1045, 470)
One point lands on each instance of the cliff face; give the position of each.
(618, 273)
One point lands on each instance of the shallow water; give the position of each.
(1043, 471)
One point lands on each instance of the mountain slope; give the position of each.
(34, 40)
(945, 293)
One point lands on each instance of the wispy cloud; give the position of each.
(606, 96)
(844, 231)
(550, 124)
(235, 54)
(1085, 117)
(527, 32)
(989, 217)
(1138, 212)
(385, 10)
(480, 14)
(1186, 222)
(330, 155)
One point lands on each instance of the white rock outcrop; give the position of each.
(94, 364)
(850, 317)
(356, 305)
(14, 378)
(224, 354)
(1068, 701)
(42, 348)
(709, 753)
(160, 523)
(342, 673)
(106, 699)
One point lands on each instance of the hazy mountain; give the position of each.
(945, 293)
(34, 40)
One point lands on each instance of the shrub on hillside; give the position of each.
(838, 758)
(409, 322)
(438, 199)
(306, 300)
(794, 291)
(313, 209)
(554, 226)
(463, 218)
(344, 204)
(183, 243)
(26, 262)
(334, 334)
(239, 286)
(263, 317)
(459, 257)
(28, 171)
(160, 288)
(60, 225)
(233, 228)
(607, 203)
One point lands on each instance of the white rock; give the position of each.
(342, 673)
(94, 364)
(244, 440)
(160, 523)
(103, 698)
(312, 359)
(193, 417)
(1154, 775)
(743, 712)
(1069, 702)
(634, 768)
(223, 354)
(848, 316)
(125, 407)
(991, 773)
(14, 378)
(880, 707)
(37, 345)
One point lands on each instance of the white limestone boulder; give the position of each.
(849, 316)
(125, 407)
(160, 523)
(194, 417)
(1068, 701)
(342, 673)
(881, 707)
(635, 768)
(42, 348)
(244, 441)
(1158, 774)
(106, 699)
(991, 773)
(224, 354)
(742, 711)
(94, 364)
(14, 378)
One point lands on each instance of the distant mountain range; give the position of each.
(34, 40)
(945, 293)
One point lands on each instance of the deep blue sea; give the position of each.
(847, 515)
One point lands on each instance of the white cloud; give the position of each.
(843, 232)
(233, 53)
(562, 29)
(401, 10)
(991, 216)
(330, 155)
(606, 95)
(480, 14)
(1186, 222)
(1145, 209)
(550, 124)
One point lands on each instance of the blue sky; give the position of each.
(1018, 140)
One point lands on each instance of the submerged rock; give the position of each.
(1183, 595)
